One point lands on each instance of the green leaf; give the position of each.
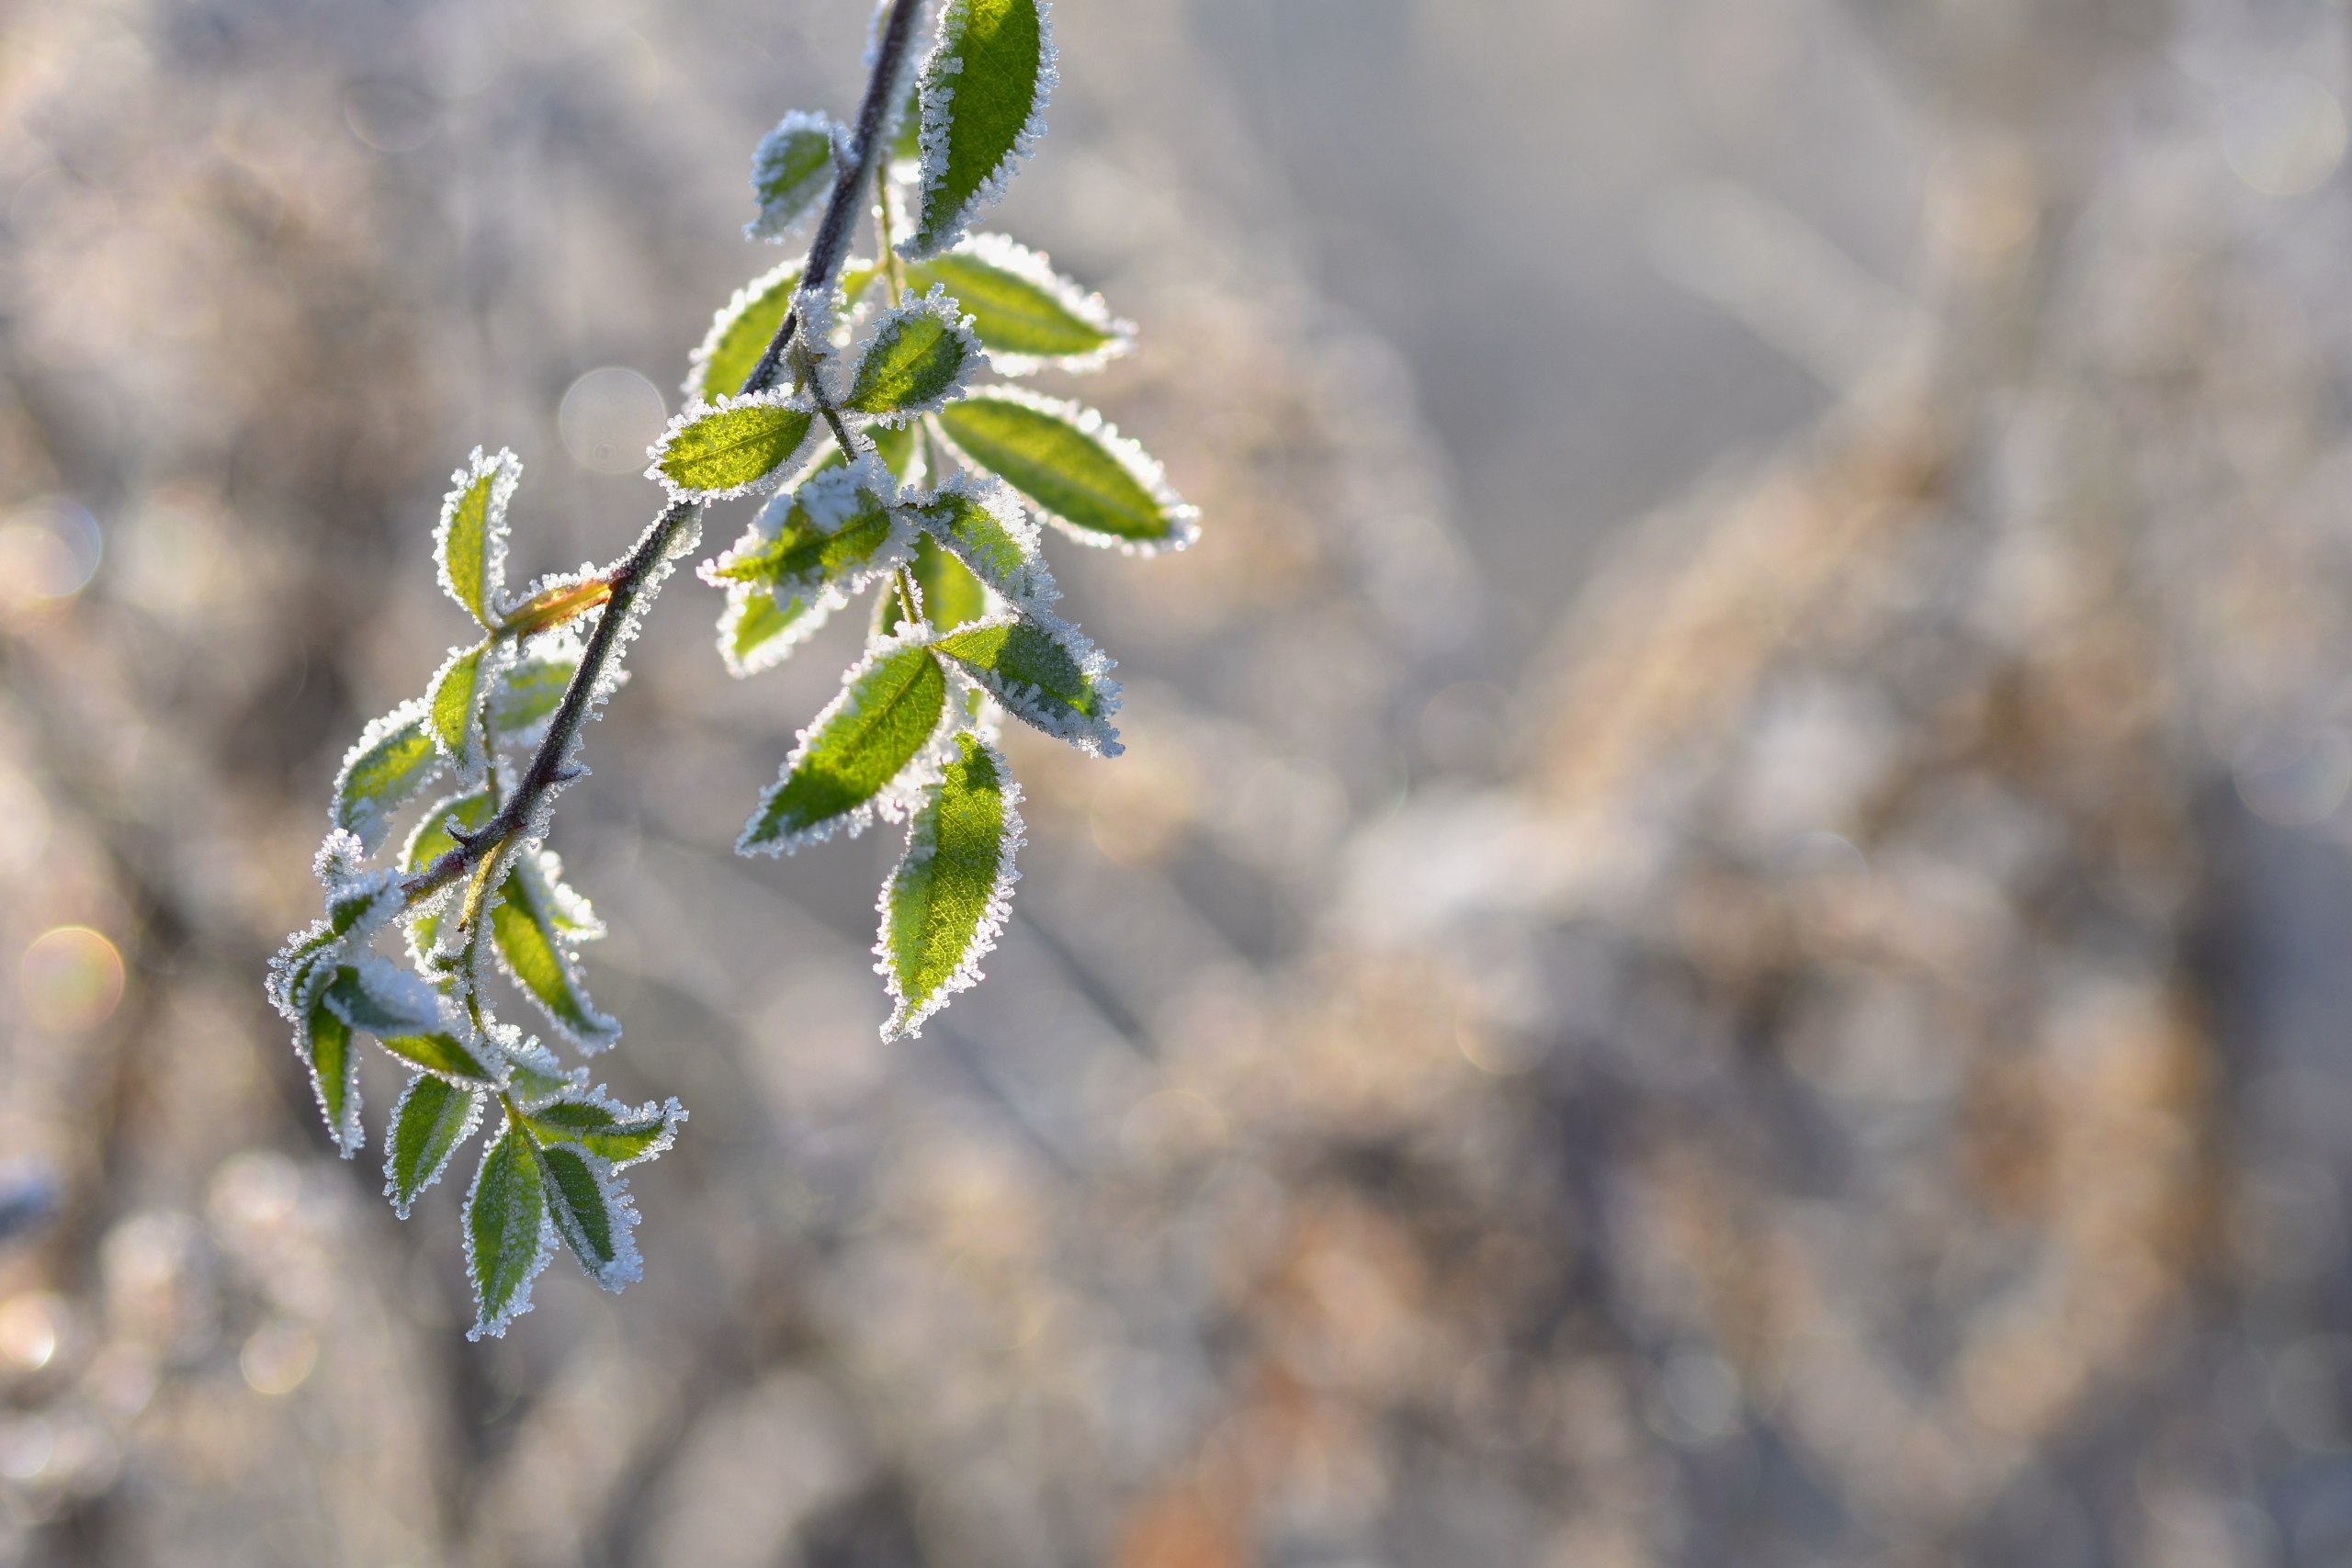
(508, 1238)
(535, 921)
(906, 139)
(376, 998)
(1046, 673)
(431, 841)
(1029, 316)
(888, 709)
(335, 1077)
(946, 901)
(981, 521)
(793, 167)
(733, 445)
(358, 908)
(1076, 470)
(455, 703)
(950, 595)
(469, 544)
(437, 1052)
(838, 527)
(433, 1119)
(616, 1132)
(740, 331)
(983, 95)
(592, 1212)
(756, 633)
(529, 691)
(534, 1077)
(395, 758)
(916, 360)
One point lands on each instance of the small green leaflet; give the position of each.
(838, 527)
(455, 701)
(530, 690)
(950, 595)
(983, 95)
(535, 919)
(1046, 673)
(978, 518)
(616, 1133)
(733, 445)
(377, 998)
(1028, 316)
(469, 544)
(947, 900)
(437, 1052)
(916, 360)
(432, 1119)
(793, 167)
(739, 333)
(888, 709)
(358, 908)
(507, 1235)
(1074, 468)
(756, 633)
(335, 1077)
(395, 757)
(592, 1211)
(429, 842)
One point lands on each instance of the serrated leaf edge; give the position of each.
(941, 307)
(1183, 517)
(1036, 269)
(1093, 734)
(774, 224)
(907, 1018)
(478, 1102)
(485, 1324)
(726, 402)
(379, 811)
(936, 109)
(508, 470)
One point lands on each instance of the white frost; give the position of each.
(907, 1019)
(938, 108)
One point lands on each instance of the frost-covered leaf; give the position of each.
(945, 903)
(536, 920)
(917, 360)
(1075, 468)
(981, 520)
(621, 1133)
(469, 544)
(950, 595)
(1028, 316)
(395, 758)
(842, 772)
(1044, 672)
(439, 1052)
(529, 690)
(335, 1077)
(792, 168)
(508, 1238)
(431, 839)
(358, 906)
(840, 528)
(378, 999)
(434, 1117)
(734, 446)
(906, 133)
(757, 633)
(455, 702)
(590, 1208)
(983, 97)
(741, 332)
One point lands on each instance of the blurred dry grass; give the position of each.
(1804, 1027)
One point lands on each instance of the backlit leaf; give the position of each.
(947, 900)
(438, 1052)
(843, 772)
(529, 691)
(335, 1077)
(536, 920)
(432, 1119)
(790, 172)
(1072, 467)
(1046, 673)
(508, 1238)
(734, 446)
(470, 543)
(378, 999)
(455, 702)
(983, 95)
(950, 595)
(982, 522)
(1027, 315)
(740, 331)
(756, 633)
(591, 1209)
(620, 1134)
(394, 758)
(840, 527)
(917, 360)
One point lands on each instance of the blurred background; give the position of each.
(1718, 942)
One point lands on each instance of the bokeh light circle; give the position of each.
(70, 979)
